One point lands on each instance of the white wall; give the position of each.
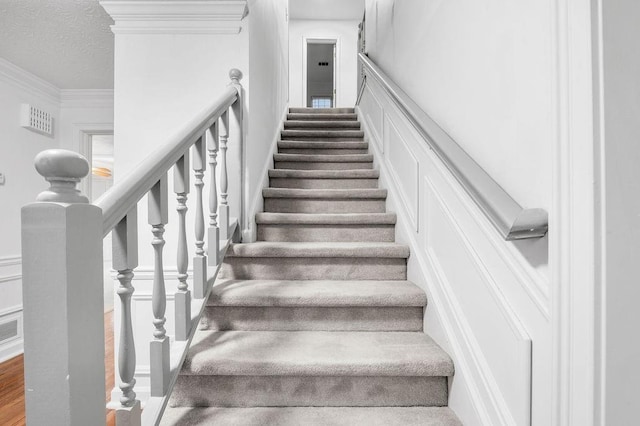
(269, 95)
(485, 71)
(619, 185)
(346, 34)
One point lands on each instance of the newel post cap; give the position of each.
(63, 169)
(235, 75)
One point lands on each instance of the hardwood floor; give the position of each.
(12, 382)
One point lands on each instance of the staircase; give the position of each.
(315, 324)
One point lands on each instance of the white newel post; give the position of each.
(63, 298)
(200, 259)
(159, 346)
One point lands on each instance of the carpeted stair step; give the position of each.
(326, 227)
(293, 200)
(324, 179)
(312, 416)
(321, 110)
(321, 116)
(338, 135)
(320, 305)
(322, 125)
(313, 368)
(323, 162)
(316, 261)
(322, 148)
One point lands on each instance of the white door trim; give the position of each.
(336, 67)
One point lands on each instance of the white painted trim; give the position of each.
(82, 143)
(337, 78)
(176, 16)
(257, 204)
(86, 98)
(572, 222)
(15, 346)
(24, 80)
(10, 261)
(8, 278)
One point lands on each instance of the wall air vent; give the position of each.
(36, 119)
(8, 330)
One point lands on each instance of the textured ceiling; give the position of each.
(66, 42)
(326, 9)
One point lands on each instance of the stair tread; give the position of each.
(322, 124)
(318, 249)
(315, 353)
(296, 110)
(323, 144)
(325, 174)
(322, 116)
(360, 193)
(323, 133)
(311, 416)
(326, 218)
(317, 293)
(325, 158)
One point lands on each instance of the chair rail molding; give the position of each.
(176, 17)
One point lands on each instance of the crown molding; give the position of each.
(24, 80)
(86, 98)
(176, 16)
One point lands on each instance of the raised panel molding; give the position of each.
(404, 168)
(12, 345)
(500, 339)
(498, 346)
(373, 116)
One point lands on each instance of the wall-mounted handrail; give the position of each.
(510, 219)
(121, 197)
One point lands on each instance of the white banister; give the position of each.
(223, 213)
(183, 295)
(125, 260)
(63, 299)
(158, 218)
(62, 237)
(200, 258)
(214, 231)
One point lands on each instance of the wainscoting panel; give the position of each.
(489, 303)
(373, 117)
(404, 168)
(11, 337)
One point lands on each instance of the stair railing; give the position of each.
(511, 220)
(62, 255)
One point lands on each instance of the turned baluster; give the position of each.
(223, 215)
(183, 295)
(158, 217)
(200, 258)
(214, 231)
(235, 134)
(125, 260)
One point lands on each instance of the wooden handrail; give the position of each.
(510, 219)
(124, 195)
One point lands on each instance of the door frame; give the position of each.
(336, 65)
(84, 131)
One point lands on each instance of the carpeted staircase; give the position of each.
(315, 324)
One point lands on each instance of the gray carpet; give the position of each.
(316, 323)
